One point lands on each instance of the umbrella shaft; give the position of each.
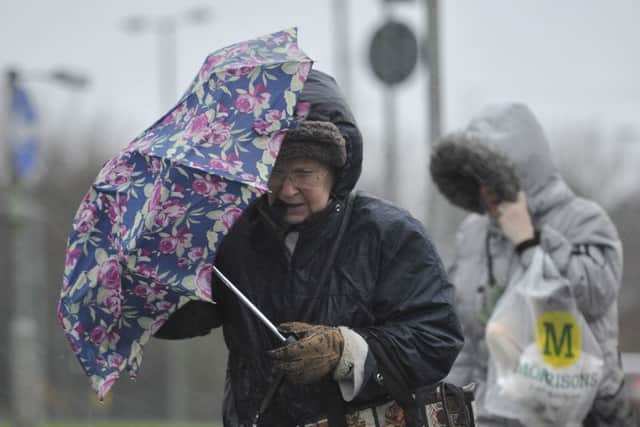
(249, 304)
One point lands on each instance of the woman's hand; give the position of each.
(514, 219)
(313, 356)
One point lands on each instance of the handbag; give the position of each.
(545, 365)
(440, 405)
(449, 405)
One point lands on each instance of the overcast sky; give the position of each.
(576, 58)
(571, 61)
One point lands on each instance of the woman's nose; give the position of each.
(288, 189)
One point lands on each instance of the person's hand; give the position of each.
(313, 356)
(514, 219)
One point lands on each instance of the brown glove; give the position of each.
(314, 355)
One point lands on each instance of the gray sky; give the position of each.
(570, 61)
(566, 59)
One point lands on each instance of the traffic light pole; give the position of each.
(435, 202)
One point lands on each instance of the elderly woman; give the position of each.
(355, 279)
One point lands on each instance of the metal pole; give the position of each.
(390, 132)
(165, 29)
(391, 149)
(434, 202)
(27, 349)
(433, 61)
(6, 163)
(27, 240)
(341, 43)
(176, 355)
(11, 80)
(167, 62)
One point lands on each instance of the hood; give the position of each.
(503, 148)
(327, 103)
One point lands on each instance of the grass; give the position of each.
(89, 423)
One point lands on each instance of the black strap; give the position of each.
(333, 254)
(332, 398)
(487, 248)
(334, 403)
(464, 418)
(268, 397)
(394, 380)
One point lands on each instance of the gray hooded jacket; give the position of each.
(576, 233)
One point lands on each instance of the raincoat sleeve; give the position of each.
(194, 319)
(416, 328)
(589, 255)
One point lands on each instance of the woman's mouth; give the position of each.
(294, 206)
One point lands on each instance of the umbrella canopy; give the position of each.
(145, 235)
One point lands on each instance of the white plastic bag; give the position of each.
(545, 366)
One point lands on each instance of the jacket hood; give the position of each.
(327, 103)
(503, 148)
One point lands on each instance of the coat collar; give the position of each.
(314, 232)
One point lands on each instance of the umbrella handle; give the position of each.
(250, 305)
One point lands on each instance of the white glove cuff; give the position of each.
(349, 373)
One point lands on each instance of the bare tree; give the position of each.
(603, 167)
(597, 164)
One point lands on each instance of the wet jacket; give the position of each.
(576, 234)
(387, 281)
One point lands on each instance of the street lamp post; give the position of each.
(26, 243)
(341, 38)
(165, 29)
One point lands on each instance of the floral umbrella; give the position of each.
(144, 238)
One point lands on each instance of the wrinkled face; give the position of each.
(302, 185)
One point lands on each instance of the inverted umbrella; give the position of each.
(145, 236)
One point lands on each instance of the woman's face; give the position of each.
(491, 201)
(303, 186)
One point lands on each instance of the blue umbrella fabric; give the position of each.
(144, 238)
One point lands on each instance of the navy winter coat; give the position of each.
(387, 281)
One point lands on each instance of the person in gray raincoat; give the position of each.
(500, 169)
(356, 279)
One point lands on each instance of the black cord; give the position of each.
(487, 248)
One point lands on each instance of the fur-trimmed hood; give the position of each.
(329, 104)
(503, 148)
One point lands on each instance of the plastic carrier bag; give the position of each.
(545, 366)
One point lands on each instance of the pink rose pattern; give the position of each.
(147, 231)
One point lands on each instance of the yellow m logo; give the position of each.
(558, 338)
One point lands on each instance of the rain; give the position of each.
(97, 74)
